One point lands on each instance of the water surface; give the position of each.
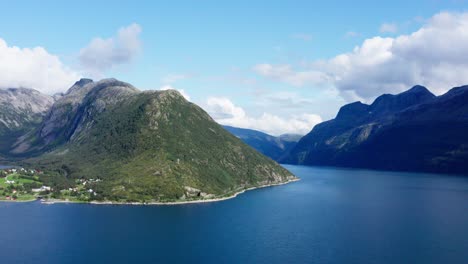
(330, 216)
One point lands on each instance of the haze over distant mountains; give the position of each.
(145, 145)
(411, 131)
(271, 146)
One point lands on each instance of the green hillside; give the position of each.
(153, 146)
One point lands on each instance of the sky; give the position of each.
(274, 66)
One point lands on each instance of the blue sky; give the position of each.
(213, 50)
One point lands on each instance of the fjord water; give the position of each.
(330, 216)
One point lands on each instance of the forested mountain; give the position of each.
(144, 145)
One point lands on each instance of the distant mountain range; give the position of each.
(144, 145)
(271, 146)
(411, 131)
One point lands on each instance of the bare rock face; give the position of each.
(43, 121)
(60, 113)
(19, 107)
(21, 111)
(74, 110)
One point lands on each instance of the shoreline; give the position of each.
(18, 201)
(211, 200)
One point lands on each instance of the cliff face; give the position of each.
(74, 111)
(413, 131)
(21, 110)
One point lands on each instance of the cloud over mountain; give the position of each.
(33, 68)
(434, 56)
(226, 112)
(38, 69)
(103, 54)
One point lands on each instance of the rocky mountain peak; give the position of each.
(80, 87)
(388, 103)
(418, 89)
(112, 83)
(352, 110)
(25, 99)
(82, 82)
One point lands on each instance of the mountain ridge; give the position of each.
(413, 131)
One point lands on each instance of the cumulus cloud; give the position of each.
(226, 112)
(38, 69)
(103, 54)
(181, 91)
(286, 74)
(388, 28)
(434, 56)
(33, 68)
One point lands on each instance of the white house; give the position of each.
(42, 189)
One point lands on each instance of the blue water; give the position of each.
(330, 216)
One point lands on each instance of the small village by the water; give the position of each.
(25, 184)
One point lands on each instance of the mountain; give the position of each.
(143, 145)
(290, 137)
(271, 146)
(21, 110)
(411, 131)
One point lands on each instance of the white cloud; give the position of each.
(103, 54)
(33, 68)
(38, 69)
(225, 112)
(286, 74)
(434, 56)
(181, 91)
(388, 28)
